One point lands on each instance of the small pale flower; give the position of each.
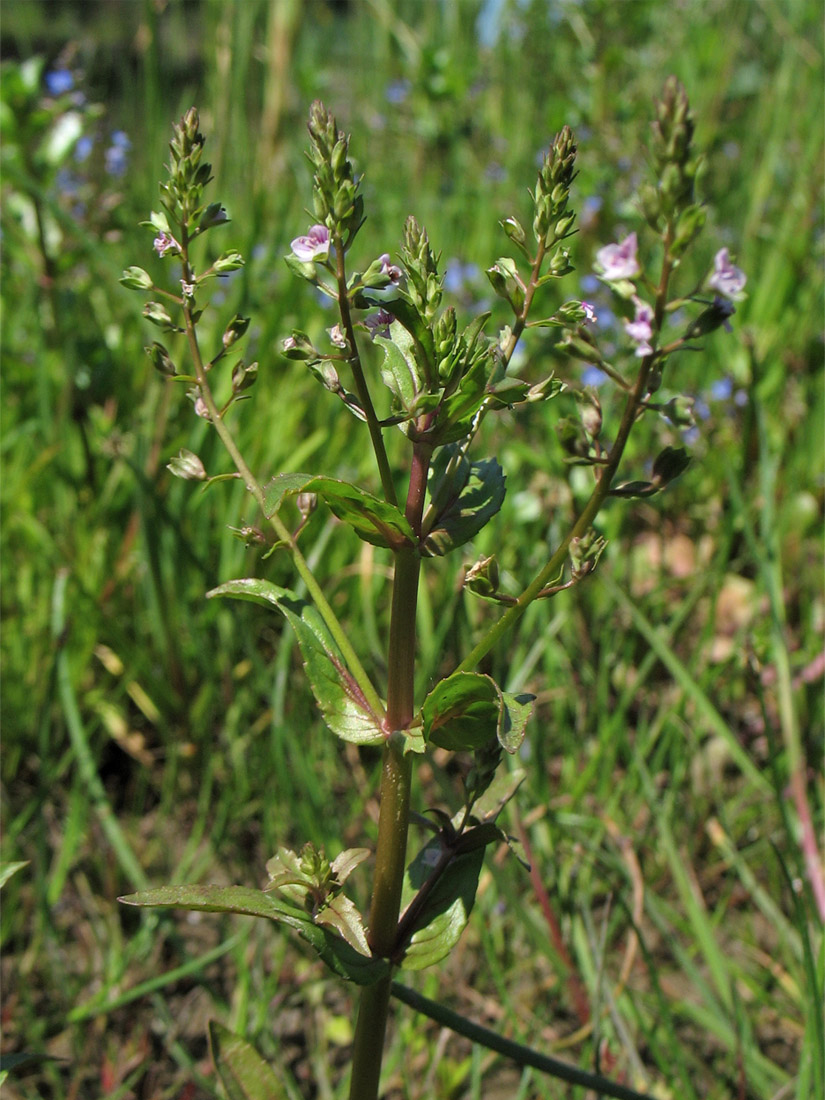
(640, 329)
(391, 270)
(165, 242)
(314, 246)
(289, 343)
(187, 288)
(618, 261)
(727, 279)
(201, 408)
(378, 324)
(337, 336)
(589, 313)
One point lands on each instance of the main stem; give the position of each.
(394, 813)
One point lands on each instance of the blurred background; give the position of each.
(668, 934)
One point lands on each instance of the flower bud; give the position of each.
(243, 377)
(135, 278)
(715, 316)
(213, 215)
(158, 315)
(188, 466)
(506, 282)
(299, 346)
(161, 359)
(563, 226)
(669, 463)
(515, 231)
(228, 261)
(679, 411)
(483, 577)
(306, 503)
(235, 330)
(560, 262)
(585, 552)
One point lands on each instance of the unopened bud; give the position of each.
(483, 577)
(229, 261)
(515, 231)
(299, 346)
(669, 463)
(188, 466)
(135, 278)
(235, 330)
(161, 360)
(243, 377)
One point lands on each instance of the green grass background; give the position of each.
(150, 736)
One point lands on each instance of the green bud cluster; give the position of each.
(552, 221)
(336, 201)
(444, 334)
(675, 166)
(188, 175)
(423, 283)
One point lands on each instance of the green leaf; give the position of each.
(457, 412)
(470, 494)
(280, 486)
(339, 956)
(463, 711)
(341, 914)
(22, 1060)
(398, 303)
(400, 371)
(373, 520)
(498, 794)
(243, 1072)
(342, 704)
(446, 910)
(9, 869)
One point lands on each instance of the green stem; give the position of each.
(597, 497)
(281, 530)
(517, 1052)
(396, 780)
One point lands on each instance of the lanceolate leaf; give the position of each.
(342, 704)
(446, 910)
(400, 371)
(473, 493)
(243, 1072)
(339, 955)
(373, 520)
(282, 485)
(463, 711)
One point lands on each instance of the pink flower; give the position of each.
(314, 246)
(390, 269)
(378, 324)
(728, 280)
(165, 242)
(618, 261)
(640, 329)
(589, 313)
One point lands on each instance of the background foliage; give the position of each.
(666, 934)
